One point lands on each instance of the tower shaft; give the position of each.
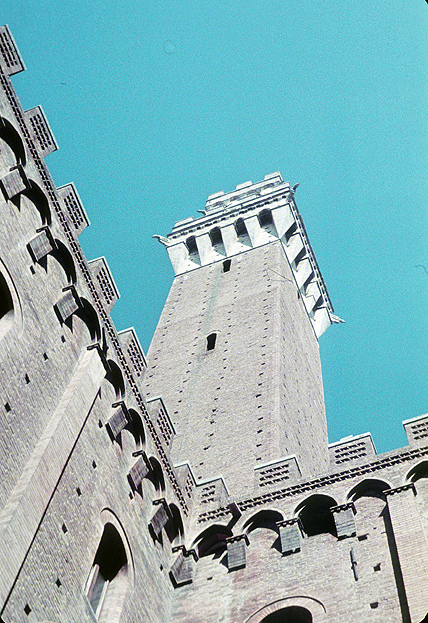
(235, 354)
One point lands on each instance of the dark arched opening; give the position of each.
(174, 528)
(213, 540)
(265, 218)
(240, 227)
(370, 487)
(6, 302)
(316, 516)
(263, 519)
(292, 614)
(115, 377)
(107, 582)
(156, 475)
(12, 138)
(217, 240)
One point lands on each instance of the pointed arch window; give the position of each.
(108, 580)
(6, 306)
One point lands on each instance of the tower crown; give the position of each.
(251, 216)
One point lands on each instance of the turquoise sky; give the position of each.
(157, 104)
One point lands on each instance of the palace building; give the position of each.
(194, 484)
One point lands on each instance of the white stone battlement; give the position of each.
(251, 216)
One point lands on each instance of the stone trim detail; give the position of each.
(160, 518)
(14, 182)
(236, 553)
(396, 490)
(42, 244)
(290, 535)
(343, 515)
(182, 569)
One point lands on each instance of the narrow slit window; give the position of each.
(226, 265)
(211, 340)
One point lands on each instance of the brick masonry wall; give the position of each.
(258, 394)
(388, 548)
(62, 476)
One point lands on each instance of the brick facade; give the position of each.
(197, 485)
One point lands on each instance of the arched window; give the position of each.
(266, 222)
(192, 249)
(215, 235)
(6, 306)
(292, 614)
(108, 580)
(212, 541)
(211, 340)
(13, 140)
(156, 475)
(6, 303)
(266, 519)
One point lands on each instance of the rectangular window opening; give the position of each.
(226, 265)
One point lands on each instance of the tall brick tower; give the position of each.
(235, 354)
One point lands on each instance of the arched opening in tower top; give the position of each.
(242, 232)
(266, 222)
(265, 218)
(191, 245)
(192, 249)
(211, 340)
(241, 228)
(217, 240)
(292, 614)
(13, 140)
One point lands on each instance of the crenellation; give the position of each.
(78, 217)
(40, 131)
(10, 57)
(105, 283)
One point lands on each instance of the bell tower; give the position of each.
(235, 354)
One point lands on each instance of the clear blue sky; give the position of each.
(157, 104)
